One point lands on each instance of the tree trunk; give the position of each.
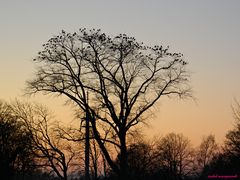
(111, 163)
(123, 157)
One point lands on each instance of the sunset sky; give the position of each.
(206, 32)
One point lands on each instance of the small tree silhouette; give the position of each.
(50, 150)
(15, 144)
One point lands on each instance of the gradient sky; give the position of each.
(206, 32)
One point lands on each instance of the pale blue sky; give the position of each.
(206, 32)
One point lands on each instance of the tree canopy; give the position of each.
(113, 80)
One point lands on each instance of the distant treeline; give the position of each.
(34, 146)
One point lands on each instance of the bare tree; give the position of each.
(176, 155)
(236, 111)
(15, 145)
(50, 150)
(233, 136)
(227, 161)
(207, 150)
(123, 78)
(142, 160)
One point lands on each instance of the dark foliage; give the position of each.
(222, 165)
(228, 162)
(15, 145)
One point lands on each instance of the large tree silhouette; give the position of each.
(123, 79)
